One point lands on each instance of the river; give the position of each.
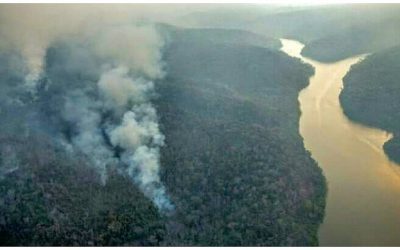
(363, 201)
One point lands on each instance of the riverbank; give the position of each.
(363, 185)
(372, 96)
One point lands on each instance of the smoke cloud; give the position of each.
(111, 120)
(119, 89)
(117, 43)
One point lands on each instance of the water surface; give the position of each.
(363, 202)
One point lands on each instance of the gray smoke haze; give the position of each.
(112, 119)
(123, 33)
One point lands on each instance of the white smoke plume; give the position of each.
(138, 133)
(118, 88)
(130, 47)
(134, 47)
(83, 112)
(140, 137)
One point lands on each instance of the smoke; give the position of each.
(34, 55)
(118, 88)
(134, 47)
(139, 135)
(84, 113)
(112, 120)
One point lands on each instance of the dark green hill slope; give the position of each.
(50, 196)
(234, 162)
(372, 95)
(49, 199)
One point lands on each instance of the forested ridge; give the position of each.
(371, 95)
(233, 162)
(210, 105)
(333, 33)
(52, 200)
(50, 196)
(330, 32)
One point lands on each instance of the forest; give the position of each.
(233, 162)
(329, 32)
(181, 131)
(371, 95)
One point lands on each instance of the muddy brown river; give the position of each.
(363, 201)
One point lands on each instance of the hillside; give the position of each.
(329, 32)
(358, 39)
(50, 196)
(225, 36)
(335, 32)
(50, 199)
(234, 162)
(372, 95)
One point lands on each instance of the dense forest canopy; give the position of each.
(230, 114)
(125, 131)
(233, 163)
(372, 95)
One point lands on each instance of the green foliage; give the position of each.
(234, 163)
(51, 199)
(372, 95)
